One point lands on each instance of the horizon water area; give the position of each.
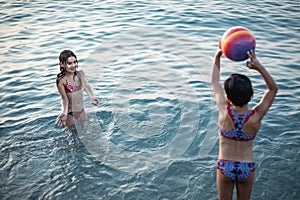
(154, 134)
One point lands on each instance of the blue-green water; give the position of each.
(154, 134)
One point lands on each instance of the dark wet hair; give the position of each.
(63, 58)
(238, 89)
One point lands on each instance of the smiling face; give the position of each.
(71, 65)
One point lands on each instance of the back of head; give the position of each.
(238, 89)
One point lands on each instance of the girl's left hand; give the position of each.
(94, 101)
(254, 63)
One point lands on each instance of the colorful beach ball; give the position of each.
(235, 43)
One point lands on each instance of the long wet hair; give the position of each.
(238, 89)
(63, 58)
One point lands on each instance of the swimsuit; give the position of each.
(237, 132)
(236, 171)
(76, 114)
(70, 88)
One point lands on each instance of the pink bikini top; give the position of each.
(70, 88)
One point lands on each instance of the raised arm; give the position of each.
(215, 80)
(88, 88)
(266, 101)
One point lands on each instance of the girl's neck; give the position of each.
(70, 74)
(239, 109)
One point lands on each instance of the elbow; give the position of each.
(65, 101)
(275, 88)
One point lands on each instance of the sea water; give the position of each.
(154, 133)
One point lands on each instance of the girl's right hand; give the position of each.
(61, 119)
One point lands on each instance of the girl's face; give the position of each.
(71, 65)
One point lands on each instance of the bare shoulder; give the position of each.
(82, 77)
(80, 73)
(254, 121)
(61, 88)
(60, 82)
(263, 107)
(225, 122)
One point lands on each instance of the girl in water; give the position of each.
(70, 83)
(238, 125)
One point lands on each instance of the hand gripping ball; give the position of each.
(235, 43)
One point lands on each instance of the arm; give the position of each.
(61, 119)
(88, 88)
(265, 103)
(217, 87)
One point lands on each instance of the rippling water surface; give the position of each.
(154, 134)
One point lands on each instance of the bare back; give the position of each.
(234, 149)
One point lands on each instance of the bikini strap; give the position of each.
(234, 116)
(77, 74)
(230, 112)
(248, 115)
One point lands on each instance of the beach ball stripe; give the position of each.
(235, 43)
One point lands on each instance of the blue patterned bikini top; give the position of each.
(237, 132)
